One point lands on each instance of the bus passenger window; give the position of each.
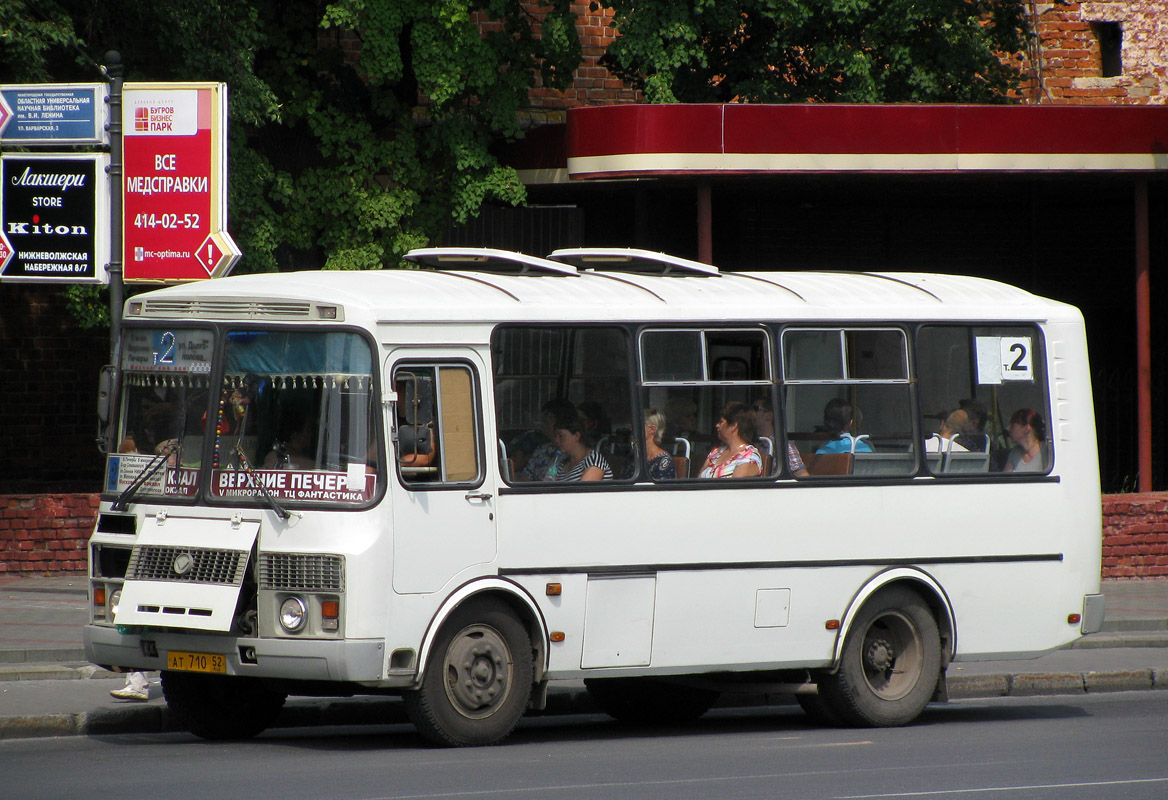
(974, 382)
(847, 401)
(549, 377)
(707, 387)
(436, 424)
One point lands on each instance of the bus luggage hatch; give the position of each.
(172, 583)
(618, 621)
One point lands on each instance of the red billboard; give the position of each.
(174, 145)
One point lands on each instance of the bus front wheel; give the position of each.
(890, 665)
(478, 678)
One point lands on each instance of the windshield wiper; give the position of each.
(281, 512)
(148, 471)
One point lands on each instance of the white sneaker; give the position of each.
(129, 693)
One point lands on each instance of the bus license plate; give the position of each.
(197, 662)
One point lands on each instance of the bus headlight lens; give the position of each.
(114, 601)
(293, 613)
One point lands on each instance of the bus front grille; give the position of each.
(187, 565)
(311, 572)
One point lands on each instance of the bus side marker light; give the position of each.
(832, 624)
(554, 589)
(557, 636)
(1074, 619)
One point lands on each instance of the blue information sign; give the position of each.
(53, 113)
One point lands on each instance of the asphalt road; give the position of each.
(1042, 748)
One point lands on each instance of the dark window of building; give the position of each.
(1110, 37)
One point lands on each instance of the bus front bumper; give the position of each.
(296, 659)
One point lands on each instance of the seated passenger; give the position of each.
(953, 424)
(837, 419)
(1028, 432)
(736, 457)
(290, 450)
(973, 435)
(764, 424)
(541, 459)
(576, 460)
(659, 464)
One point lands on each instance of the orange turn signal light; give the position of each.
(330, 609)
(554, 589)
(99, 595)
(832, 624)
(557, 636)
(1074, 619)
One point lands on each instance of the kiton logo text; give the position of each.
(29, 228)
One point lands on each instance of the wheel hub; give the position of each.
(880, 655)
(478, 671)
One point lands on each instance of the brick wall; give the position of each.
(45, 533)
(1135, 535)
(1066, 65)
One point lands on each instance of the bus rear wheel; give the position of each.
(890, 665)
(477, 680)
(221, 707)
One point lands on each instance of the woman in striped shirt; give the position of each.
(578, 460)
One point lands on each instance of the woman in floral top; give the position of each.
(737, 457)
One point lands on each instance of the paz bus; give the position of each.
(320, 483)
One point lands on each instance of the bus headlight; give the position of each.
(114, 601)
(293, 614)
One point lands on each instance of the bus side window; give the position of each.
(847, 400)
(973, 381)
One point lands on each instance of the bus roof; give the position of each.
(596, 295)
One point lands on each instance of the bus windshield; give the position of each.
(164, 402)
(295, 418)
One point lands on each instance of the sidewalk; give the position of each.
(47, 688)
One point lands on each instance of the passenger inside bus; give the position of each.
(838, 417)
(1028, 432)
(736, 457)
(973, 433)
(293, 441)
(659, 464)
(945, 439)
(764, 424)
(578, 460)
(542, 457)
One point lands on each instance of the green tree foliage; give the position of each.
(844, 51)
(335, 162)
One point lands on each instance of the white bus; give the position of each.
(335, 483)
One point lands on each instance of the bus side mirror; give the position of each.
(106, 382)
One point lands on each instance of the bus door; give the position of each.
(443, 496)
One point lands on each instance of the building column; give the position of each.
(1143, 338)
(705, 224)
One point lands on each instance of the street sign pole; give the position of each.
(114, 69)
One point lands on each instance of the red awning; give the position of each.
(623, 141)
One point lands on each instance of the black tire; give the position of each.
(890, 665)
(221, 707)
(478, 678)
(819, 710)
(646, 701)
